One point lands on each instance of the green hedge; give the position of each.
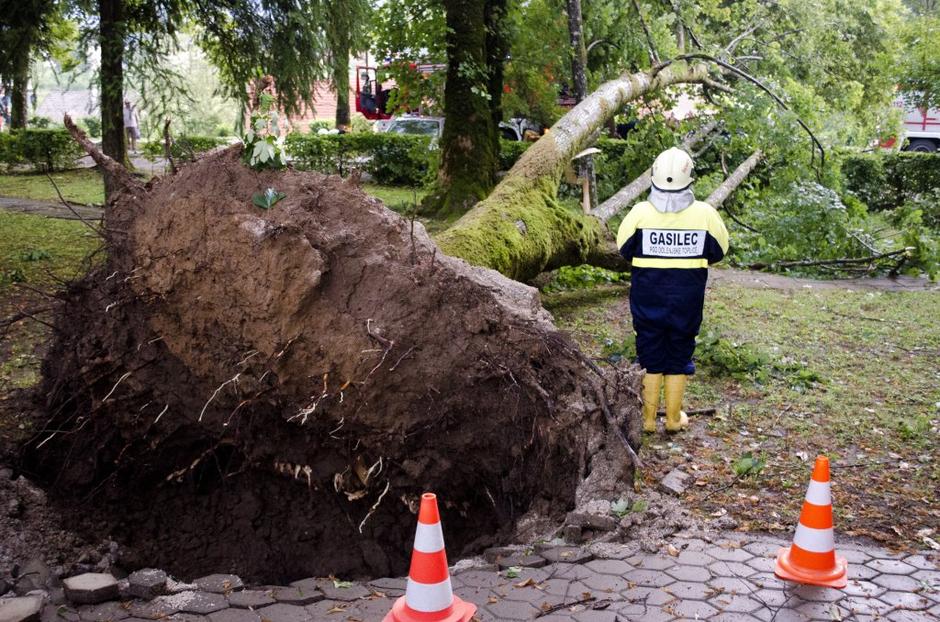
(510, 151)
(888, 180)
(42, 149)
(184, 148)
(393, 159)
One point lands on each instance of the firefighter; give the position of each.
(671, 239)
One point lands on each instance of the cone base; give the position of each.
(459, 611)
(836, 577)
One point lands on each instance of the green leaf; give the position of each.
(267, 199)
(620, 508)
(513, 571)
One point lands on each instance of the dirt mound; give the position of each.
(269, 391)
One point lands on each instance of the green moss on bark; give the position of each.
(470, 142)
(522, 230)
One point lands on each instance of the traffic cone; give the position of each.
(812, 557)
(429, 596)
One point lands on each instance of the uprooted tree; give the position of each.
(267, 386)
(270, 390)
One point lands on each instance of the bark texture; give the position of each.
(470, 140)
(111, 33)
(282, 384)
(729, 185)
(521, 229)
(19, 96)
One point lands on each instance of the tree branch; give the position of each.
(115, 175)
(167, 145)
(654, 56)
(72, 209)
(828, 262)
(724, 190)
(748, 77)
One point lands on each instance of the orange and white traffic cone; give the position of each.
(812, 558)
(429, 596)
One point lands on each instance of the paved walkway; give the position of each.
(729, 580)
(50, 209)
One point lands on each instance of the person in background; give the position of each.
(670, 239)
(131, 126)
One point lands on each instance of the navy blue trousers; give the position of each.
(666, 305)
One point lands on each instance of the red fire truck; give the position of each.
(921, 128)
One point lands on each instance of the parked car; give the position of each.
(417, 125)
(514, 129)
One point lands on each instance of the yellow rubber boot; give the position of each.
(651, 385)
(676, 420)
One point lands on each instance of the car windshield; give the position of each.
(423, 127)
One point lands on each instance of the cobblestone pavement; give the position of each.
(726, 580)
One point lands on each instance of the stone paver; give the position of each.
(91, 588)
(22, 609)
(220, 583)
(250, 599)
(728, 581)
(147, 583)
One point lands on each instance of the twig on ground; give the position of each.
(694, 411)
(167, 146)
(560, 606)
(828, 262)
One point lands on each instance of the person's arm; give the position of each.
(716, 245)
(627, 242)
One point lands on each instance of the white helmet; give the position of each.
(672, 170)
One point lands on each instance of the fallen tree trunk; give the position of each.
(268, 391)
(720, 194)
(520, 229)
(628, 195)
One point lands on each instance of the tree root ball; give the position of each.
(268, 392)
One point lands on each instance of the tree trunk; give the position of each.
(520, 229)
(470, 142)
(341, 73)
(627, 196)
(497, 49)
(111, 31)
(579, 81)
(729, 185)
(20, 92)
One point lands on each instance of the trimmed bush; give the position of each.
(886, 181)
(184, 148)
(393, 159)
(510, 151)
(42, 149)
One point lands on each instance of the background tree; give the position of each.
(28, 27)
(346, 34)
(243, 39)
(476, 53)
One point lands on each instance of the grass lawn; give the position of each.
(794, 373)
(35, 252)
(77, 185)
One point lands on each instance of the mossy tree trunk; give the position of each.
(521, 229)
(472, 105)
(111, 30)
